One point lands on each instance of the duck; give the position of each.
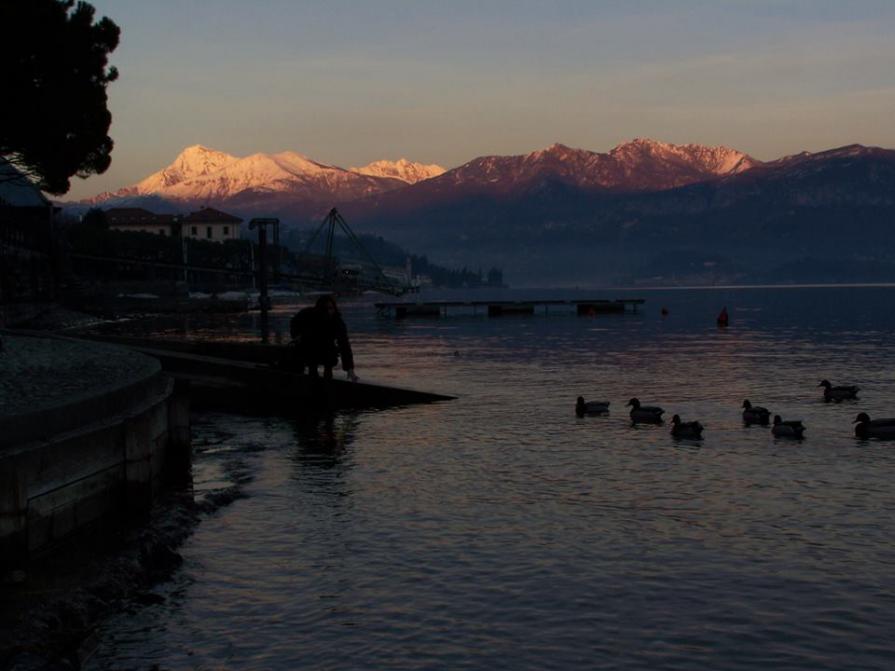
(583, 407)
(644, 413)
(837, 394)
(755, 414)
(874, 428)
(790, 429)
(681, 429)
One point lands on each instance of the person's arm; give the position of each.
(345, 352)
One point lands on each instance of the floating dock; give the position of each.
(583, 308)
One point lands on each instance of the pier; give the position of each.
(581, 307)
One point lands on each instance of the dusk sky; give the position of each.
(346, 83)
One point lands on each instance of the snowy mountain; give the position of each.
(202, 175)
(406, 171)
(192, 163)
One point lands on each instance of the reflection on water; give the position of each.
(501, 531)
(323, 439)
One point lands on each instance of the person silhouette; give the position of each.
(321, 338)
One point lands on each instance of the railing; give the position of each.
(27, 272)
(307, 280)
(25, 229)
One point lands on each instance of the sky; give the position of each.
(347, 83)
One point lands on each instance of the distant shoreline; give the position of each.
(707, 287)
(846, 285)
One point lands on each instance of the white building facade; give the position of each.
(210, 224)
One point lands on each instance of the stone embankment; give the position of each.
(50, 612)
(86, 431)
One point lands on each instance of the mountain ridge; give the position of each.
(200, 174)
(406, 171)
(573, 214)
(774, 221)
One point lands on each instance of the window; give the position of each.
(226, 231)
(195, 231)
(208, 232)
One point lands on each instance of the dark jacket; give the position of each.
(321, 339)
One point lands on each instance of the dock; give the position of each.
(580, 307)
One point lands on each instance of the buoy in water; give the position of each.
(723, 319)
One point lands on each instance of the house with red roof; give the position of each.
(139, 220)
(204, 224)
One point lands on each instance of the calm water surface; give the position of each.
(499, 531)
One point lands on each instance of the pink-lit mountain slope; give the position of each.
(204, 175)
(406, 171)
(640, 165)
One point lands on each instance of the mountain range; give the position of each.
(646, 211)
(202, 175)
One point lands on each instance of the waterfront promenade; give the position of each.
(45, 375)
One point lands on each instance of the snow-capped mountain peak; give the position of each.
(192, 162)
(406, 171)
(200, 174)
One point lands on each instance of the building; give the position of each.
(210, 224)
(205, 224)
(138, 220)
(16, 190)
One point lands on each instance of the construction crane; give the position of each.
(329, 276)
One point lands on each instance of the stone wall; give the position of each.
(69, 460)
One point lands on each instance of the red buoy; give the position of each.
(723, 319)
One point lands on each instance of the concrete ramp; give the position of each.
(254, 383)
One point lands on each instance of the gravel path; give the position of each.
(39, 373)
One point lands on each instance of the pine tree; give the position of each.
(54, 119)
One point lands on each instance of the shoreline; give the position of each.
(49, 616)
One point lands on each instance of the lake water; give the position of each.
(500, 531)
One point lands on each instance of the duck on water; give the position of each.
(789, 429)
(583, 407)
(644, 414)
(681, 429)
(840, 393)
(865, 427)
(755, 414)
